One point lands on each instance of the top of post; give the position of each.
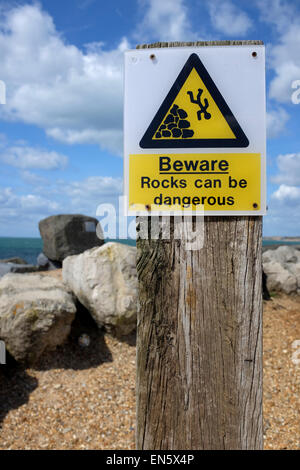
(201, 44)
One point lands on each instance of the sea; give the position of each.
(29, 248)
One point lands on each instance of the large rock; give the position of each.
(285, 255)
(282, 267)
(6, 268)
(67, 235)
(105, 282)
(36, 313)
(279, 279)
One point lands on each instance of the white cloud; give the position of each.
(85, 195)
(276, 121)
(288, 169)
(165, 20)
(283, 56)
(36, 203)
(278, 13)
(25, 157)
(33, 179)
(94, 186)
(12, 204)
(109, 138)
(285, 193)
(284, 203)
(286, 72)
(74, 95)
(282, 218)
(20, 214)
(7, 198)
(81, 196)
(283, 215)
(228, 18)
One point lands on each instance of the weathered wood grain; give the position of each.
(199, 338)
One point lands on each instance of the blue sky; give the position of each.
(61, 126)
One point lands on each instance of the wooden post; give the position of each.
(199, 337)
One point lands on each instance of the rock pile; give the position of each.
(282, 267)
(36, 311)
(175, 125)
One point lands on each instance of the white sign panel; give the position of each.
(195, 130)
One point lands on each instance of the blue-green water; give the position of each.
(25, 248)
(29, 248)
(279, 242)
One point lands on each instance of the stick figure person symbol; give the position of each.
(203, 107)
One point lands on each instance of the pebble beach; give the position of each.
(84, 398)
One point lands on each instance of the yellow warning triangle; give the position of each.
(194, 114)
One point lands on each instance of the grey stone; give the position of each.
(6, 268)
(67, 235)
(285, 255)
(295, 270)
(16, 260)
(42, 260)
(279, 278)
(46, 264)
(282, 267)
(105, 281)
(24, 268)
(36, 313)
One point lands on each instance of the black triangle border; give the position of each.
(194, 62)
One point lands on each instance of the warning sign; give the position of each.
(195, 131)
(215, 181)
(194, 114)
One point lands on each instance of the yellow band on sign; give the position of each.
(218, 181)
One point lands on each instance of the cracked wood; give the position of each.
(199, 339)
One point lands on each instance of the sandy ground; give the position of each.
(282, 373)
(84, 398)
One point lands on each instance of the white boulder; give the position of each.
(36, 313)
(104, 280)
(282, 267)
